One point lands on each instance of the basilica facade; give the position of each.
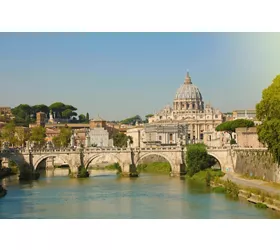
(188, 121)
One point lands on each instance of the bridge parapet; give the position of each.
(250, 149)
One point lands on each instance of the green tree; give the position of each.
(70, 107)
(22, 112)
(132, 120)
(231, 126)
(64, 137)
(22, 135)
(38, 135)
(268, 112)
(40, 108)
(120, 140)
(8, 133)
(87, 117)
(147, 117)
(57, 108)
(68, 113)
(82, 118)
(56, 141)
(197, 158)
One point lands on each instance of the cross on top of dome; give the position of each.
(188, 79)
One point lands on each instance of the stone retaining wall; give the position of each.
(257, 163)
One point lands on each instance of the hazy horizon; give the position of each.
(119, 75)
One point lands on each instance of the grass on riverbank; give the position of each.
(202, 175)
(235, 190)
(261, 205)
(155, 167)
(112, 167)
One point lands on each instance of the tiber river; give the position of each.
(106, 196)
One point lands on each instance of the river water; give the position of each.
(106, 196)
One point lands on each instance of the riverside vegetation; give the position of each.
(199, 169)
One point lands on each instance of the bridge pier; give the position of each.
(129, 170)
(5, 163)
(50, 163)
(178, 170)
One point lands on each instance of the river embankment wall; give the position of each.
(257, 163)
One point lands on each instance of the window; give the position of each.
(216, 116)
(159, 138)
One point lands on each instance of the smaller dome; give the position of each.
(165, 111)
(98, 119)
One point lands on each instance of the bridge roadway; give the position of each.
(127, 158)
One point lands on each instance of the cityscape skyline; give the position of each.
(117, 75)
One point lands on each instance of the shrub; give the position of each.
(231, 188)
(219, 189)
(208, 178)
(261, 205)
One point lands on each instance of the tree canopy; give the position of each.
(197, 158)
(120, 140)
(8, 133)
(15, 136)
(63, 139)
(268, 112)
(25, 114)
(231, 126)
(132, 120)
(38, 135)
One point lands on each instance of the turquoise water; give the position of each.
(150, 196)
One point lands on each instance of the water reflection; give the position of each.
(110, 196)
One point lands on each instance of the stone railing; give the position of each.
(217, 148)
(88, 150)
(250, 149)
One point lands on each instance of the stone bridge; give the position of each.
(128, 158)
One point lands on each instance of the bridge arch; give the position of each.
(158, 154)
(96, 156)
(36, 164)
(217, 158)
(19, 160)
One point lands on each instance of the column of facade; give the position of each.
(191, 125)
(196, 129)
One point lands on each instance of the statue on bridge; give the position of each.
(128, 143)
(72, 140)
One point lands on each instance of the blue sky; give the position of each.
(118, 75)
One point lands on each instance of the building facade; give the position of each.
(138, 136)
(249, 114)
(98, 135)
(248, 138)
(186, 121)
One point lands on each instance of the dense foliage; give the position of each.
(120, 140)
(15, 136)
(231, 126)
(63, 139)
(132, 120)
(268, 112)
(197, 158)
(38, 135)
(26, 114)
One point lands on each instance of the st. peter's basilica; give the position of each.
(188, 121)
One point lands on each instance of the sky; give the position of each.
(119, 75)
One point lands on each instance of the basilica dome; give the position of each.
(188, 91)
